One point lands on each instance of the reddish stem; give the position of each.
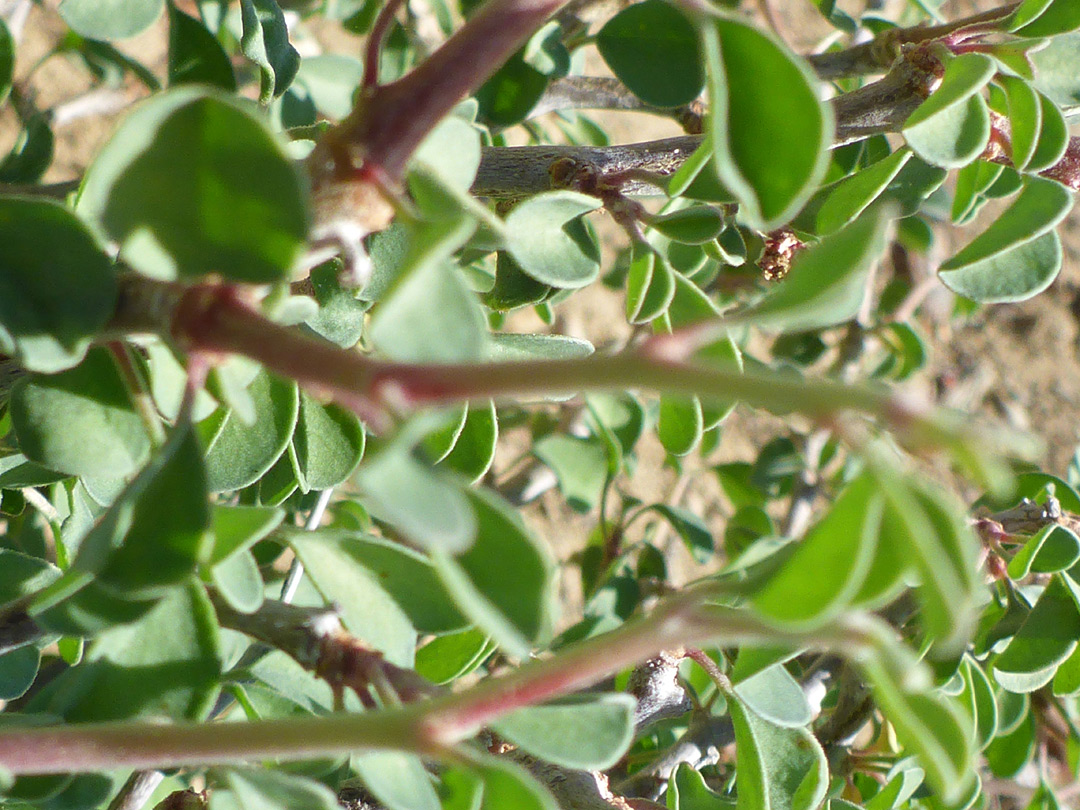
(1067, 170)
(395, 118)
(373, 49)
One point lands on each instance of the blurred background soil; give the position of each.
(1016, 365)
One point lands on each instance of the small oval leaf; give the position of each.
(770, 130)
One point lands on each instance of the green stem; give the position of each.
(105, 746)
(426, 728)
(213, 319)
(138, 391)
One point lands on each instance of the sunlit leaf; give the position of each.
(234, 205)
(586, 732)
(952, 127)
(770, 130)
(653, 49)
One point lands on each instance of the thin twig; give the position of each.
(99, 101)
(137, 790)
(374, 46)
(877, 108)
(878, 54)
(138, 391)
(54, 191)
(606, 93)
(296, 570)
(805, 492)
(42, 504)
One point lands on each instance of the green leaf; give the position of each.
(1042, 204)
(1057, 17)
(943, 550)
(235, 528)
(32, 153)
(952, 127)
(239, 582)
(680, 423)
(327, 444)
(827, 282)
(776, 768)
(266, 788)
(580, 465)
(452, 152)
(508, 786)
(399, 781)
(776, 697)
(57, 288)
(771, 132)
(18, 669)
(265, 41)
(162, 517)
(1053, 548)
(86, 791)
(148, 541)
(7, 61)
(409, 577)
(898, 790)
(1014, 58)
(1015, 274)
(1010, 752)
(80, 421)
(234, 205)
(1053, 137)
(238, 454)
(195, 55)
(331, 80)
(1025, 118)
(22, 575)
(650, 285)
(460, 789)
(512, 91)
(692, 529)
(367, 610)
(110, 19)
(695, 225)
(830, 564)
(972, 183)
(1026, 12)
(687, 791)
(449, 657)
(506, 347)
(474, 448)
(165, 665)
(340, 318)
(929, 725)
(890, 564)
(583, 732)
(653, 49)
(1067, 677)
(513, 288)
(915, 182)
(978, 699)
(426, 506)
(1055, 69)
(690, 305)
(542, 238)
(439, 442)
(1047, 637)
(503, 583)
(430, 316)
(850, 197)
